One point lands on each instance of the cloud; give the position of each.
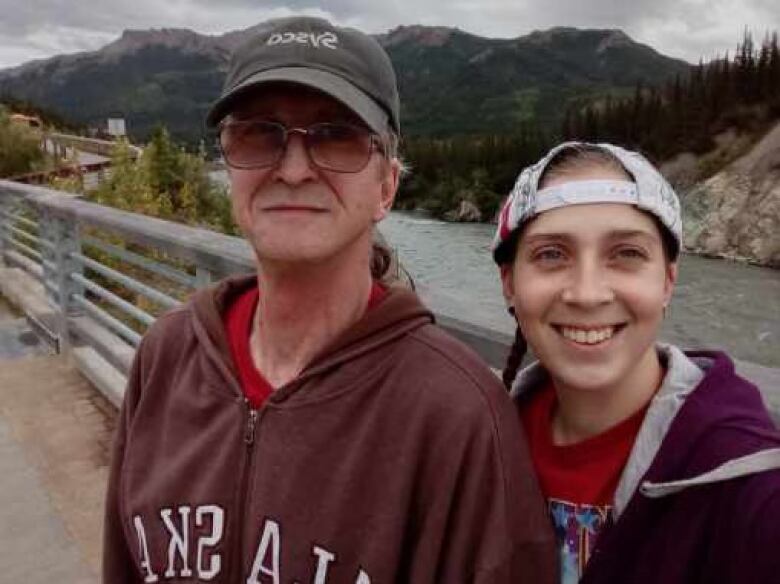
(699, 29)
(688, 29)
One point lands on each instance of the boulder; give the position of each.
(466, 212)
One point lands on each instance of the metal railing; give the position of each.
(107, 273)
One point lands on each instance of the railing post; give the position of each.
(63, 233)
(5, 207)
(46, 231)
(203, 277)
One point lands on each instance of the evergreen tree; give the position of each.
(686, 115)
(167, 182)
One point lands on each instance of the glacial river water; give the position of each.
(717, 304)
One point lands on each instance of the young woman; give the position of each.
(658, 465)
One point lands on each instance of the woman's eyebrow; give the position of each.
(548, 237)
(630, 233)
(555, 236)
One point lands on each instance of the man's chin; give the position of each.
(275, 245)
(294, 252)
(287, 256)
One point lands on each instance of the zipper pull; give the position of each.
(249, 433)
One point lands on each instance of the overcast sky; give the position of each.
(689, 29)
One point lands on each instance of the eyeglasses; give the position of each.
(330, 146)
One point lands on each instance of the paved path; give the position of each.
(55, 433)
(16, 338)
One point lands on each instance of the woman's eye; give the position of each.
(548, 255)
(630, 253)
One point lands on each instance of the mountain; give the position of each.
(160, 76)
(451, 82)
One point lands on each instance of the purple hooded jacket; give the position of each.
(699, 499)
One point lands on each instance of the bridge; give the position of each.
(79, 283)
(90, 159)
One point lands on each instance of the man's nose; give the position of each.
(295, 165)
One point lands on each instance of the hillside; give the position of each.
(148, 77)
(451, 82)
(736, 212)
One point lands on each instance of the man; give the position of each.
(309, 423)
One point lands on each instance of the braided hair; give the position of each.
(515, 358)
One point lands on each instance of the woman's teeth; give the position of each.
(588, 337)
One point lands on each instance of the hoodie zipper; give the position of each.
(250, 429)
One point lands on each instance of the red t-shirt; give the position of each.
(577, 480)
(238, 324)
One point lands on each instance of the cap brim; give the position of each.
(333, 85)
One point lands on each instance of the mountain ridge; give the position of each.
(451, 81)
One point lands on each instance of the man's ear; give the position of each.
(391, 175)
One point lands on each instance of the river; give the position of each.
(716, 304)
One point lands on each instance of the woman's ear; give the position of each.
(671, 280)
(507, 283)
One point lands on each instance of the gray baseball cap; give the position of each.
(649, 192)
(344, 63)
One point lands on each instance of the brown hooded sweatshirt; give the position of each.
(396, 456)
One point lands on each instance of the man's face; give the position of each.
(296, 212)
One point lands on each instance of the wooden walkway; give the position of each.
(55, 433)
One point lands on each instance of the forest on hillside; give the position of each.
(740, 92)
(685, 115)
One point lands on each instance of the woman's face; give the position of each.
(589, 285)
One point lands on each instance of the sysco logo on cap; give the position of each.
(325, 39)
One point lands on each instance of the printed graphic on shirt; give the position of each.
(576, 530)
(194, 557)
